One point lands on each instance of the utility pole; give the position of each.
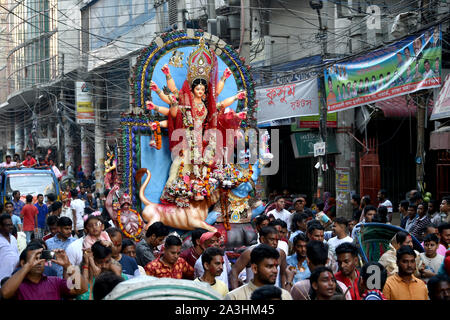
(422, 104)
(318, 5)
(244, 51)
(212, 21)
(420, 152)
(99, 137)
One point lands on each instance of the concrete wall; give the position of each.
(69, 34)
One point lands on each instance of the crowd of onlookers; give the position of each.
(69, 248)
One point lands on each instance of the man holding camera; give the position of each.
(29, 283)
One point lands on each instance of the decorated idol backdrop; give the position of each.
(144, 146)
(173, 49)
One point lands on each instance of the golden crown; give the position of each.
(199, 63)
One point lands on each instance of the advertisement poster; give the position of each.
(287, 101)
(442, 105)
(342, 186)
(406, 66)
(85, 108)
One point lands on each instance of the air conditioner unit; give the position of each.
(222, 27)
(173, 12)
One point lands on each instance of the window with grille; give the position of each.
(173, 12)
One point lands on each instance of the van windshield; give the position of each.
(30, 183)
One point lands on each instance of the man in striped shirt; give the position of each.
(423, 221)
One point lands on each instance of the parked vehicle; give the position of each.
(27, 181)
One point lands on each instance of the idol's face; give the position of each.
(199, 91)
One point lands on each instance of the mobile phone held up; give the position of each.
(47, 255)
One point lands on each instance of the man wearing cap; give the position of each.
(299, 204)
(207, 240)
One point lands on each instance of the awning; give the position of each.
(397, 107)
(400, 107)
(440, 139)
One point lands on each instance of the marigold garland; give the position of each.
(134, 237)
(158, 138)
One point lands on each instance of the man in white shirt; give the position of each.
(55, 169)
(77, 207)
(369, 213)
(9, 253)
(383, 201)
(75, 252)
(340, 229)
(8, 163)
(281, 226)
(280, 213)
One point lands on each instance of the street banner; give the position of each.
(287, 101)
(85, 109)
(442, 106)
(406, 66)
(313, 121)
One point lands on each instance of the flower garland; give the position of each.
(158, 138)
(157, 141)
(122, 228)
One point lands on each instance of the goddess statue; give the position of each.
(110, 170)
(195, 110)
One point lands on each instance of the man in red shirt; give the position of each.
(347, 258)
(170, 264)
(193, 253)
(29, 215)
(30, 162)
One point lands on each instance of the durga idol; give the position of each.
(195, 110)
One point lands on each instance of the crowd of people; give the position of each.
(302, 252)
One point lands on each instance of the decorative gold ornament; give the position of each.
(199, 63)
(177, 59)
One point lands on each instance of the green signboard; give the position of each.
(303, 143)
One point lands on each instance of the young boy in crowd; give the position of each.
(430, 260)
(52, 224)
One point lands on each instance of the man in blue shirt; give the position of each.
(17, 222)
(42, 215)
(297, 264)
(129, 265)
(17, 203)
(82, 194)
(61, 240)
